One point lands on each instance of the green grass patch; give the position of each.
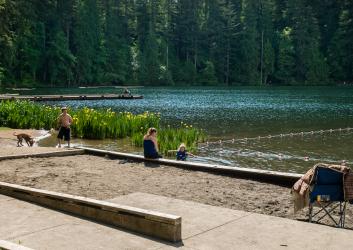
(99, 124)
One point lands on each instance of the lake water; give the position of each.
(247, 112)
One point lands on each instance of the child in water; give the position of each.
(182, 153)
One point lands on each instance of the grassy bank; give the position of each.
(99, 124)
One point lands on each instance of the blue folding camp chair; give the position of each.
(328, 195)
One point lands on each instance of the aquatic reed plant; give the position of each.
(87, 123)
(99, 124)
(25, 115)
(171, 138)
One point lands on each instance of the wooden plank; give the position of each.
(45, 154)
(151, 223)
(282, 178)
(6, 245)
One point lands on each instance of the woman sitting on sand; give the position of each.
(150, 144)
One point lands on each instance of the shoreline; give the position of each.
(7, 139)
(103, 178)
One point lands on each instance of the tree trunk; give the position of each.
(195, 55)
(262, 57)
(228, 62)
(167, 61)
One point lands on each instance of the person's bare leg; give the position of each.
(59, 143)
(68, 144)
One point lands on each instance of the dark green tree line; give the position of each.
(175, 42)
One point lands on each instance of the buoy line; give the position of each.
(283, 157)
(219, 142)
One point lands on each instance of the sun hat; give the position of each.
(182, 146)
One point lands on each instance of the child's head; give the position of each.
(182, 147)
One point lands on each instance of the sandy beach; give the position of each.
(102, 178)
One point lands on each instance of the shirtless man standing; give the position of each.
(64, 121)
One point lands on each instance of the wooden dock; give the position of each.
(41, 98)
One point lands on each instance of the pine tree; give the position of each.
(268, 65)
(62, 42)
(34, 51)
(116, 44)
(341, 50)
(265, 27)
(327, 13)
(150, 64)
(8, 16)
(207, 75)
(311, 67)
(88, 43)
(187, 35)
(246, 68)
(148, 55)
(167, 45)
(285, 72)
(60, 60)
(215, 47)
(220, 32)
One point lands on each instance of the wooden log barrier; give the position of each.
(6, 245)
(281, 178)
(162, 226)
(60, 153)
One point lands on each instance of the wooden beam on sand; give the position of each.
(6, 245)
(159, 225)
(281, 178)
(58, 153)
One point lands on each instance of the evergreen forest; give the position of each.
(175, 42)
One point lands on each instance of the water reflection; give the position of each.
(247, 112)
(290, 154)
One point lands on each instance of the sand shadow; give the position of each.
(151, 164)
(322, 223)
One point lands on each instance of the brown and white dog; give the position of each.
(20, 137)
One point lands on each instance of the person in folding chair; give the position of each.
(327, 192)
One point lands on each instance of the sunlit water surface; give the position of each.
(244, 112)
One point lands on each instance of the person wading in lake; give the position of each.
(150, 144)
(64, 122)
(182, 153)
